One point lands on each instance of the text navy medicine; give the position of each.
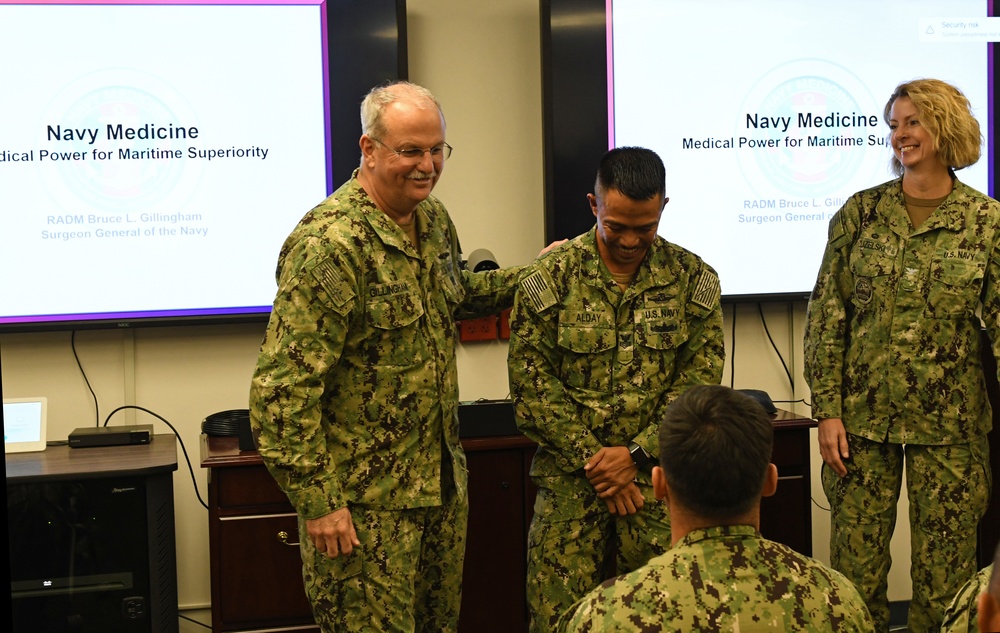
(119, 132)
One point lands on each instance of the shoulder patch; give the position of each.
(537, 289)
(330, 279)
(837, 234)
(706, 290)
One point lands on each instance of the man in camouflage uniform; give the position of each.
(606, 331)
(892, 356)
(976, 607)
(720, 574)
(355, 392)
(989, 600)
(962, 615)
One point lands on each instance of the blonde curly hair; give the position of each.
(947, 115)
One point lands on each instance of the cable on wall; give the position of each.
(194, 482)
(732, 352)
(180, 441)
(763, 321)
(791, 380)
(97, 408)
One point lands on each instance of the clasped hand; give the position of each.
(612, 472)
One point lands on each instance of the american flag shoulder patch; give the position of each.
(329, 278)
(537, 288)
(706, 290)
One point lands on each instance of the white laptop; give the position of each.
(24, 424)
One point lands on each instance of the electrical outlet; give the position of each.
(483, 329)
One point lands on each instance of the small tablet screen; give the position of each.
(24, 424)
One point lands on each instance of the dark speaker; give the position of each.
(229, 423)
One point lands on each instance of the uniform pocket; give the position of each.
(586, 358)
(393, 319)
(662, 335)
(954, 288)
(872, 277)
(982, 475)
(395, 311)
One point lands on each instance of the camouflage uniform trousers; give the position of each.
(406, 576)
(948, 488)
(572, 539)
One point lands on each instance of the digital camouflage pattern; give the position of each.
(567, 551)
(892, 347)
(723, 579)
(948, 490)
(591, 366)
(380, 587)
(355, 392)
(961, 615)
(892, 336)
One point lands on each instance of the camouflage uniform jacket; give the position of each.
(892, 332)
(963, 612)
(355, 391)
(592, 366)
(723, 579)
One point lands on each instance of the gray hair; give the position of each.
(375, 102)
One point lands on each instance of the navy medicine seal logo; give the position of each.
(863, 290)
(111, 177)
(791, 106)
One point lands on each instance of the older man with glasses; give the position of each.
(355, 392)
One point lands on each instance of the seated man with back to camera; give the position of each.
(989, 601)
(976, 606)
(720, 574)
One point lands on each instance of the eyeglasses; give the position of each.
(439, 153)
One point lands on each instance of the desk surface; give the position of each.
(225, 451)
(788, 420)
(63, 462)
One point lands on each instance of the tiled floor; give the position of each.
(195, 621)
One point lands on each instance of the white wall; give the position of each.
(482, 60)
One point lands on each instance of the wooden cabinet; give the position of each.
(786, 517)
(501, 498)
(91, 539)
(256, 575)
(256, 579)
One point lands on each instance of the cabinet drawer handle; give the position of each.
(283, 537)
